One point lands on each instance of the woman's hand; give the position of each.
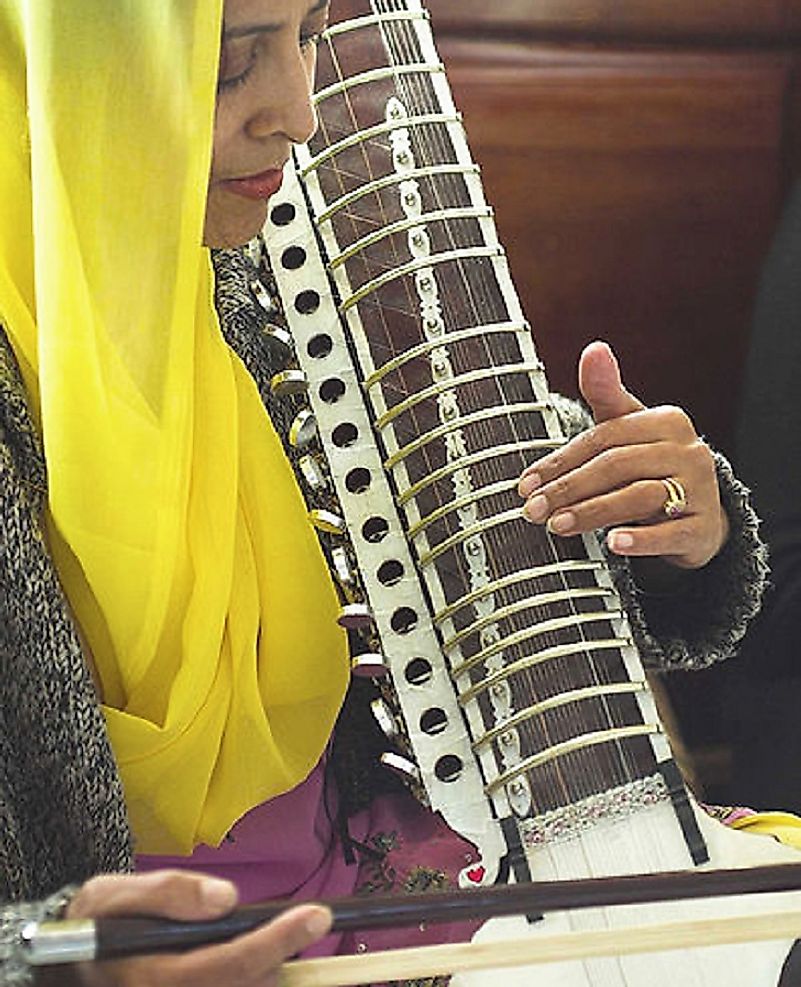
(642, 472)
(251, 959)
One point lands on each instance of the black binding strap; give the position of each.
(684, 812)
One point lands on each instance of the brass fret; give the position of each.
(451, 383)
(570, 746)
(555, 702)
(376, 75)
(455, 505)
(531, 661)
(440, 215)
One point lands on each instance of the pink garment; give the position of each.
(287, 848)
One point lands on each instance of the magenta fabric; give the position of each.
(287, 848)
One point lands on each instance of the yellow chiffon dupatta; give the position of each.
(179, 534)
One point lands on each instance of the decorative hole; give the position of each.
(418, 671)
(293, 258)
(449, 768)
(434, 721)
(390, 572)
(375, 529)
(345, 435)
(283, 214)
(403, 620)
(358, 480)
(307, 302)
(332, 390)
(320, 346)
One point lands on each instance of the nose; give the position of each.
(285, 106)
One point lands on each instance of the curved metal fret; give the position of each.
(546, 627)
(429, 261)
(377, 130)
(447, 339)
(555, 702)
(522, 576)
(570, 746)
(376, 75)
(504, 486)
(452, 383)
(371, 20)
(403, 225)
(487, 524)
(485, 415)
(531, 661)
(540, 445)
(394, 179)
(540, 600)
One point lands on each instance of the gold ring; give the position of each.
(676, 502)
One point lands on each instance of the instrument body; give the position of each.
(521, 697)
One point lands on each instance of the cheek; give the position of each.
(225, 130)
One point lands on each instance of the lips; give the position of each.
(260, 186)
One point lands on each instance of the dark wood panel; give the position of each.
(710, 19)
(635, 195)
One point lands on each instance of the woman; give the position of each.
(148, 509)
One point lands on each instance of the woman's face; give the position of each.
(263, 107)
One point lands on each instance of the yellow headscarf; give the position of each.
(178, 531)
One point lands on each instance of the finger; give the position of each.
(620, 468)
(252, 958)
(601, 385)
(679, 541)
(643, 429)
(637, 502)
(169, 893)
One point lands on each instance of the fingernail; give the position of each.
(536, 509)
(619, 541)
(319, 923)
(529, 483)
(561, 524)
(219, 895)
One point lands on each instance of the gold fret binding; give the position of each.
(545, 627)
(563, 699)
(540, 600)
(485, 415)
(531, 661)
(376, 75)
(408, 223)
(568, 747)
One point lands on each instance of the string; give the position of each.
(429, 152)
(482, 276)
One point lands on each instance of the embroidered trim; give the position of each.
(617, 803)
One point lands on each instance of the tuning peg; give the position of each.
(369, 665)
(303, 429)
(327, 521)
(401, 765)
(384, 718)
(354, 616)
(262, 295)
(279, 344)
(312, 472)
(288, 383)
(343, 570)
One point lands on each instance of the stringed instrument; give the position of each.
(523, 711)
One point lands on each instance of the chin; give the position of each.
(232, 220)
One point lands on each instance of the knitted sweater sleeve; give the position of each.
(703, 618)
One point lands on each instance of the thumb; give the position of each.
(601, 385)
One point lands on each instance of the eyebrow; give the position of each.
(244, 30)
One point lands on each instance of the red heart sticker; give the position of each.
(476, 874)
